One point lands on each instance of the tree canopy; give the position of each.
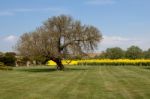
(134, 52)
(146, 54)
(114, 53)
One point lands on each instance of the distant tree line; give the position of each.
(133, 52)
(13, 59)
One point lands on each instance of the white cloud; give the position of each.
(118, 41)
(10, 38)
(6, 13)
(7, 43)
(22, 10)
(39, 9)
(100, 2)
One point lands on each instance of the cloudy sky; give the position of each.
(122, 22)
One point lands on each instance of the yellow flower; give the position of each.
(104, 62)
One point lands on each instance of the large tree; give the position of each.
(58, 38)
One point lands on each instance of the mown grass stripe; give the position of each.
(76, 82)
(113, 86)
(131, 81)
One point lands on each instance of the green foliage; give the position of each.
(1, 64)
(10, 54)
(1, 54)
(147, 54)
(6, 68)
(134, 52)
(8, 58)
(114, 53)
(3, 67)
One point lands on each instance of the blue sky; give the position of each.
(122, 22)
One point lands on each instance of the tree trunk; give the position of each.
(60, 66)
(58, 61)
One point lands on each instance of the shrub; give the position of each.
(3, 67)
(8, 58)
(1, 64)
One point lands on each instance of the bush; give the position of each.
(1, 64)
(3, 67)
(147, 54)
(8, 59)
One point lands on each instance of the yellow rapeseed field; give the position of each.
(138, 62)
(64, 62)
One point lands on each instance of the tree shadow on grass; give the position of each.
(75, 69)
(38, 70)
(147, 68)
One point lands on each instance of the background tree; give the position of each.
(147, 54)
(58, 38)
(134, 52)
(114, 53)
(1, 56)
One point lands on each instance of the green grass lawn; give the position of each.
(76, 82)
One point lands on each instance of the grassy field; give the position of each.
(80, 82)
